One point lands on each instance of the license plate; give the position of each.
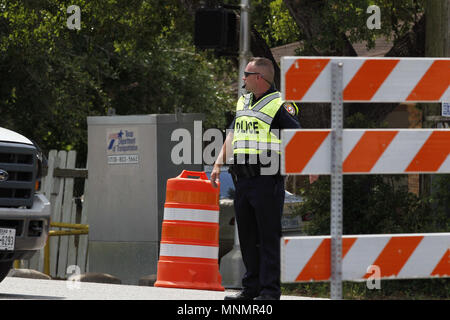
(7, 239)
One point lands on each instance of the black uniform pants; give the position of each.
(259, 205)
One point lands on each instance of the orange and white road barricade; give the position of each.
(393, 256)
(306, 79)
(339, 151)
(368, 151)
(189, 248)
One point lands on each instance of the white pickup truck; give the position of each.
(24, 213)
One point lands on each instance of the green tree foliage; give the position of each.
(374, 204)
(328, 27)
(134, 56)
(274, 22)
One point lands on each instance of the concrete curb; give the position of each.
(28, 273)
(148, 281)
(95, 277)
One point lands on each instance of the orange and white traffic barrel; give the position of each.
(189, 248)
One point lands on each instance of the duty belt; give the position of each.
(244, 171)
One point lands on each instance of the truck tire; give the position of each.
(5, 266)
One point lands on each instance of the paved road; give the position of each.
(22, 289)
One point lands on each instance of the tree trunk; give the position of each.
(437, 44)
(438, 29)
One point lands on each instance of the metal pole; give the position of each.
(336, 180)
(231, 265)
(244, 54)
(244, 42)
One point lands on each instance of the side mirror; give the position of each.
(42, 163)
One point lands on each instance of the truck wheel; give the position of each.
(5, 266)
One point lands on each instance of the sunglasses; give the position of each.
(246, 74)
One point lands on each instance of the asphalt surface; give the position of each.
(13, 288)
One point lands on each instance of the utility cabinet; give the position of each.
(129, 162)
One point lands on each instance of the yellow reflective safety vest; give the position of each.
(252, 125)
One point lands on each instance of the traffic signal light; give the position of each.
(215, 29)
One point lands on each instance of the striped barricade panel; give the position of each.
(367, 151)
(308, 79)
(396, 256)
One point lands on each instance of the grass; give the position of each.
(406, 289)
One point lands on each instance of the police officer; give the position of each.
(260, 192)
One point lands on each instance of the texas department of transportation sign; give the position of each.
(122, 146)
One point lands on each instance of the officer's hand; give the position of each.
(215, 174)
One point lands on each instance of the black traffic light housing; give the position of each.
(216, 28)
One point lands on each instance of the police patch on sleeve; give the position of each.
(290, 108)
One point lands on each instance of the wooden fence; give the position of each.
(58, 187)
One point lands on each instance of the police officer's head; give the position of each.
(259, 75)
